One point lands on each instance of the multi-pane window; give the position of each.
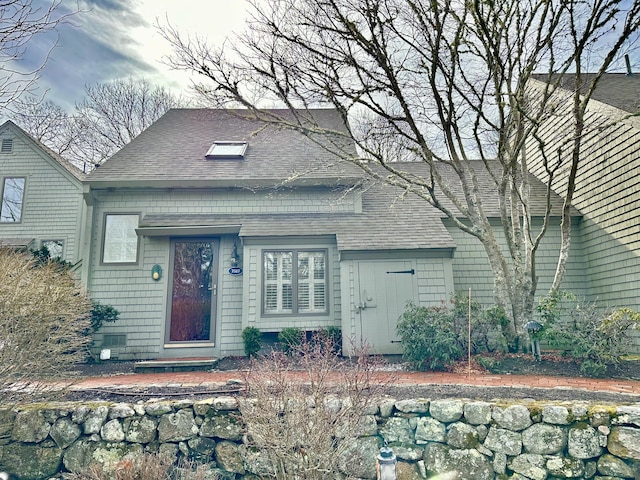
(12, 198)
(295, 282)
(120, 238)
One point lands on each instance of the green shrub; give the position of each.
(252, 339)
(593, 336)
(433, 337)
(428, 337)
(489, 363)
(486, 325)
(101, 314)
(330, 337)
(290, 339)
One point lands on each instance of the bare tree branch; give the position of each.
(445, 83)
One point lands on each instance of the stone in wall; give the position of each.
(504, 441)
(65, 431)
(584, 441)
(229, 457)
(226, 426)
(30, 426)
(429, 430)
(513, 417)
(95, 420)
(33, 462)
(468, 464)
(358, 457)
(446, 411)
(531, 465)
(544, 439)
(477, 413)
(625, 442)
(176, 427)
(397, 429)
(611, 466)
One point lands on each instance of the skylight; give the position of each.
(226, 150)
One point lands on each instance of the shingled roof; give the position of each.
(616, 89)
(171, 152)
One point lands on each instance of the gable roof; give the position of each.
(68, 168)
(171, 152)
(619, 90)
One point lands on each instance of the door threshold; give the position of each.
(189, 345)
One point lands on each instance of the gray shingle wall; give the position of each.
(471, 268)
(142, 301)
(52, 203)
(608, 182)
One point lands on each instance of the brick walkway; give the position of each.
(216, 379)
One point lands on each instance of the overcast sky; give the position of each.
(111, 39)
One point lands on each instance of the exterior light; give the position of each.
(156, 272)
(532, 327)
(235, 258)
(386, 464)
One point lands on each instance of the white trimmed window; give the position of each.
(299, 290)
(12, 198)
(120, 238)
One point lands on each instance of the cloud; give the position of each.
(95, 45)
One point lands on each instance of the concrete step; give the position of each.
(176, 365)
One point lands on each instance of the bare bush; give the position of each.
(146, 466)
(44, 321)
(303, 409)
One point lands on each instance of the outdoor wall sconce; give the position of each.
(156, 272)
(386, 464)
(235, 258)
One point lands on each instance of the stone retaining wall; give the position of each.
(480, 440)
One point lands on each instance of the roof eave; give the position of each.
(187, 183)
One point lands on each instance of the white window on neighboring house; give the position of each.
(12, 199)
(54, 247)
(120, 243)
(295, 282)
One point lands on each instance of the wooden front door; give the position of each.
(193, 290)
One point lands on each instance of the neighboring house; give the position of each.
(41, 197)
(607, 185)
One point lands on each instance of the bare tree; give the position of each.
(20, 22)
(44, 324)
(110, 116)
(446, 83)
(46, 122)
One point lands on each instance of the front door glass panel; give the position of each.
(192, 292)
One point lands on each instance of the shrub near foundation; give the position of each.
(44, 315)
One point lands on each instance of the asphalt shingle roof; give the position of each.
(616, 89)
(173, 149)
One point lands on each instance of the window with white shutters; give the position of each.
(299, 290)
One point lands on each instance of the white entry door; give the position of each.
(383, 289)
